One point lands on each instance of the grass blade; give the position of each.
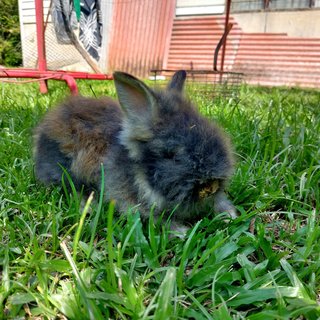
(92, 310)
(80, 226)
(165, 296)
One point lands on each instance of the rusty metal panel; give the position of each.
(140, 35)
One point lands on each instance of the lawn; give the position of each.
(60, 260)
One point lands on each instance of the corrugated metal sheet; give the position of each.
(194, 40)
(277, 59)
(265, 58)
(140, 33)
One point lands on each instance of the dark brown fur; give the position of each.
(82, 133)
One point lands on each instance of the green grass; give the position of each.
(58, 261)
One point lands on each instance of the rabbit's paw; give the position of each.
(178, 229)
(223, 204)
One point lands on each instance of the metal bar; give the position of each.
(221, 42)
(67, 76)
(266, 4)
(42, 63)
(72, 84)
(34, 73)
(226, 23)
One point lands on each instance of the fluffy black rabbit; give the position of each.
(157, 150)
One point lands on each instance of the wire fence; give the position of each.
(66, 55)
(211, 84)
(59, 56)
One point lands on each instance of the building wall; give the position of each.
(140, 35)
(294, 22)
(107, 13)
(303, 23)
(28, 12)
(191, 7)
(137, 34)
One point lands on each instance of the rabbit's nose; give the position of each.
(207, 189)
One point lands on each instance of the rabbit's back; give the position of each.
(76, 135)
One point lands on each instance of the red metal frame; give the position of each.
(41, 45)
(42, 73)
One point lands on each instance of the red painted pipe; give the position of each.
(34, 73)
(68, 77)
(71, 84)
(42, 63)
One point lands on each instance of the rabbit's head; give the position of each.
(180, 156)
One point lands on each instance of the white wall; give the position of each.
(28, 12)
(304, 23)
(192, 7)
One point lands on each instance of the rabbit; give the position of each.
(158, 152)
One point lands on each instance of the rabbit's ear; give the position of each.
(138, 103)
(177, 81)
(136, 99)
